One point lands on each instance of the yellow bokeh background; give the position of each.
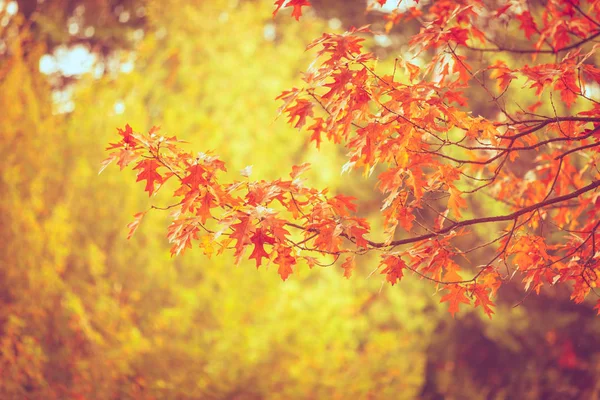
(87, 314)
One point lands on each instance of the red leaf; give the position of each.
(342, 204)
(241, 233)
(597, 307)
(527, 24)
(394, 269)
(357, 232)
(568, 87)
(148, 172)
(297, 4)
(317, 129)
(482, 298)
(195, 176)
(456, 202)
(259, 239)
(206, 204)
(503, 9)
(328, 238)
(406, 218)
(302, 110)
(503, 74)
(461, 66)
(455, 298)
(412, 69)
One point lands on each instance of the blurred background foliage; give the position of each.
(86, 314)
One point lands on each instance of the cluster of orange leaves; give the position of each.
(432, 155)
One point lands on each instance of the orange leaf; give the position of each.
(302, 110)
(286, 261)
(133, 225)
(348, 266)
(455, 297)
(394, 268)
(482, 298)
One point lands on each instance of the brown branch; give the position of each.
(484, 220)
(500, 49)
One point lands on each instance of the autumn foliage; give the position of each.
(417, 129)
